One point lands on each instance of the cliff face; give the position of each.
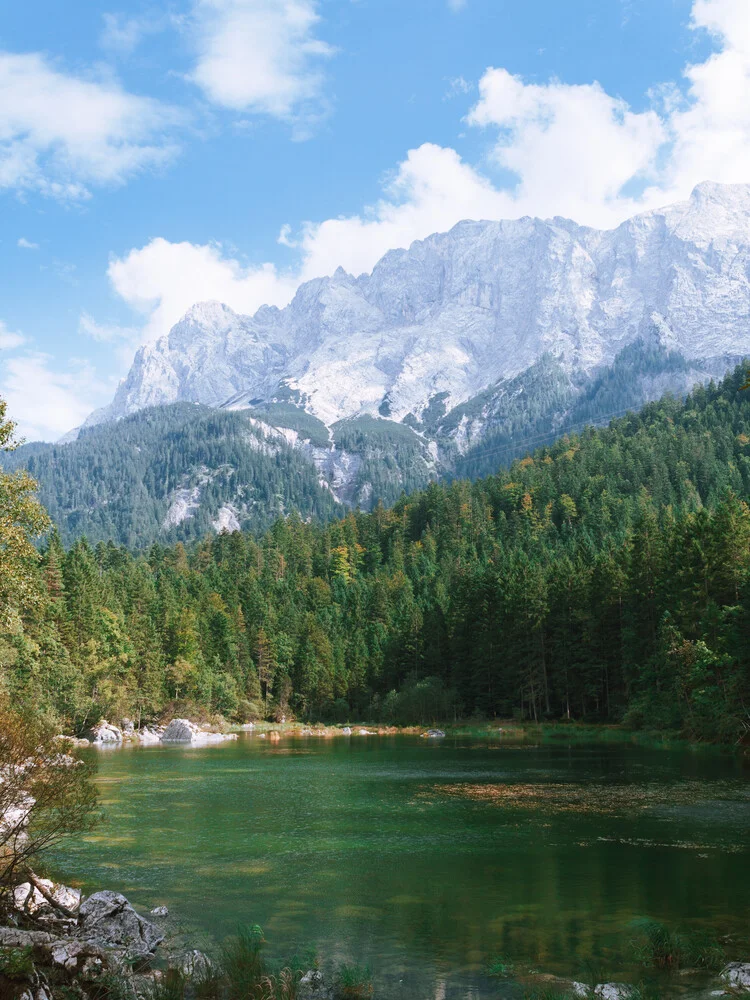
(462, 311)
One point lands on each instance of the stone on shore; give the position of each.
(195, 965)
(604, 991)
(435, 734)
(105, 734)
(107, 919)
(150, 734)
(29, 898)
(185, 731)
(737, 974)
(313, 986)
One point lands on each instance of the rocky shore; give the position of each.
(53, 938)
(106, 734)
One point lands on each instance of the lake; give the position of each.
(427, 858)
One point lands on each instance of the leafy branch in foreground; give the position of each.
(46, 794)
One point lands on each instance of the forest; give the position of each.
(605, 577)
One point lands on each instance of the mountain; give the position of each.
(173, 473)
(467, 310)
(450, 359)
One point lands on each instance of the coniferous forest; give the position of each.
(603, 578)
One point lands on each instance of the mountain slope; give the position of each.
(173, 473)
(462, 311)
(451, 359)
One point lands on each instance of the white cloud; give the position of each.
(162, 280)
(457, 86)
(9, 341)
(260, 55)
(105, 332)
(123, 34)
(571, 150)
(456, 5)
(61, 133)
(46, 403)
(26, 244)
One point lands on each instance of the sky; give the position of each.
(155, 154)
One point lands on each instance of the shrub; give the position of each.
(656, 944)
(353, 982)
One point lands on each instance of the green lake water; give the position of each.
(424, 859)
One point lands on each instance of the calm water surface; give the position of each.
(424, 859)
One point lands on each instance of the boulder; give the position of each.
(107, 919)
(737, 974)
(313, 986)
(150, 735)
(195, 965)
(185, 731)
(28, 897)
(604, 991)
(105, 734)
(66, 952)
(73, 741)
(248, 727)
(160, 911)
(435, 734)
(347, 731)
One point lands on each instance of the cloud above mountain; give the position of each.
(261, 56)
(569, 150)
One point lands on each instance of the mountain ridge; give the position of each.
(460, 311)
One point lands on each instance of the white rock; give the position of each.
(67, 897)
(108, 919)
(604, 991)
(195, 965)
(105, 733)
(185, 731)
(147, 735)
(737, 974)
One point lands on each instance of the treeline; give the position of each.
(606, 577)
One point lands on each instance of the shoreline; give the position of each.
(503, 730)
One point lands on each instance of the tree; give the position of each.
(22, 518)
(46, 794)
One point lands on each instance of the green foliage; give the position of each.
(659, 945)
(246, 975)
(604, 577)
(353, 982)
(500, 968)
(16, 963)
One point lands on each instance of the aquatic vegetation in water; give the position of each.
(591, 797)
(500, 968)
(353, 982)
(659, 945)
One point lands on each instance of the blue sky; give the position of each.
(153, 154)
